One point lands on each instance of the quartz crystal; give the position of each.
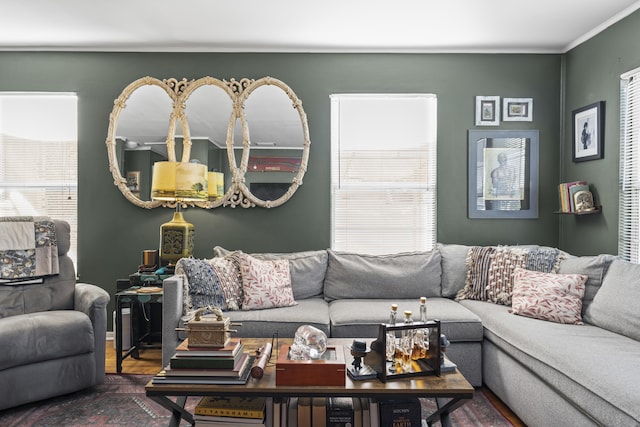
(309, 343)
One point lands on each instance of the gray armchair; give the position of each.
(52, 334)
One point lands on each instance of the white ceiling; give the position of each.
(545, 26)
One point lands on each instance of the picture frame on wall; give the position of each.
(487, 110)
(517, 109)
(503, 174)
(588, 132)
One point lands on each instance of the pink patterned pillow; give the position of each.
(265, 283)
(548, 296)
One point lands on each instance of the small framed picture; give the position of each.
(517, 109)
(487, 110)
(588, 132)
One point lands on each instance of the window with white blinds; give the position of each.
(629, 220)
(38, 157)
(383, 172)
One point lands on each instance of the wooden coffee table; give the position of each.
(450, 390)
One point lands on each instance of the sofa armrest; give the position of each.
(92, 300)
(171, 313)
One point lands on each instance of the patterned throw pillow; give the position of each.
(227, 270)
(265, 283)
(478, 263)
(202, 287)
(548, 296)
(500, 276)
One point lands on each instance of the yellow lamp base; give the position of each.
(176, 239)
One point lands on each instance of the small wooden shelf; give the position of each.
(597, 210)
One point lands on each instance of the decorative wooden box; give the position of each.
(209, 331)
(330, 370)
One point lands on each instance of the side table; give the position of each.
(129, 297)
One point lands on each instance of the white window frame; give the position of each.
(38, 157)
(383, 172)
(629, 183)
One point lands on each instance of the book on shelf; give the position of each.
(357, 412)
(374, 412)
(304, 412)
(292, 412)
(211, 420)
(163, 378)
(340, 412)
(231, 349)
(319, 411)
(566, 190)
(236, 371)
(366, 411)
(232, 406)
(405, 412)
(205, 362)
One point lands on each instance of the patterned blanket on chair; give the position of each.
(28, 248)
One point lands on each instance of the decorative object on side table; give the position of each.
(588, 132)
(179, 183)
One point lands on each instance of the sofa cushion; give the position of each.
(615, 306)
(362, 317)
(283, 321)
(402, 275)
(454, 267)
(265, 283)
(548, 296)
(593, 266)
(307, 269)
(47, 335)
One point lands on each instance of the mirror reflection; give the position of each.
(251, 134)
(276, 142)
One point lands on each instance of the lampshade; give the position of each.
(179, 181)
(216, 185)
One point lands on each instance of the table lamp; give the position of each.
(178, 182)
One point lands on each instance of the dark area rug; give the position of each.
(121, 401)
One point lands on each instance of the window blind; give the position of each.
(629, 183)
(383, 172)
(38, 157)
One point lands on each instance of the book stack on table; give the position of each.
(207, 365)
(230, 411)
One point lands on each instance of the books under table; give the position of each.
(234, 372)
(234, 411)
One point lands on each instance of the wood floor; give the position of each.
(150, 362)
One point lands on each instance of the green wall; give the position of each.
(112, 232)
(593, 72)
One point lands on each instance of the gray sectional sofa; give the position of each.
(549, 374)
(52, 334)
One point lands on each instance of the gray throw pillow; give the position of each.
(307, 269)
(454, 268)
(615, 306)
(402, 275)
(593, 266)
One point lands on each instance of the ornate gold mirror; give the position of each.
(252, 135)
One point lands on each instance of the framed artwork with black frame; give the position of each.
(588, 132)
(503, 174)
